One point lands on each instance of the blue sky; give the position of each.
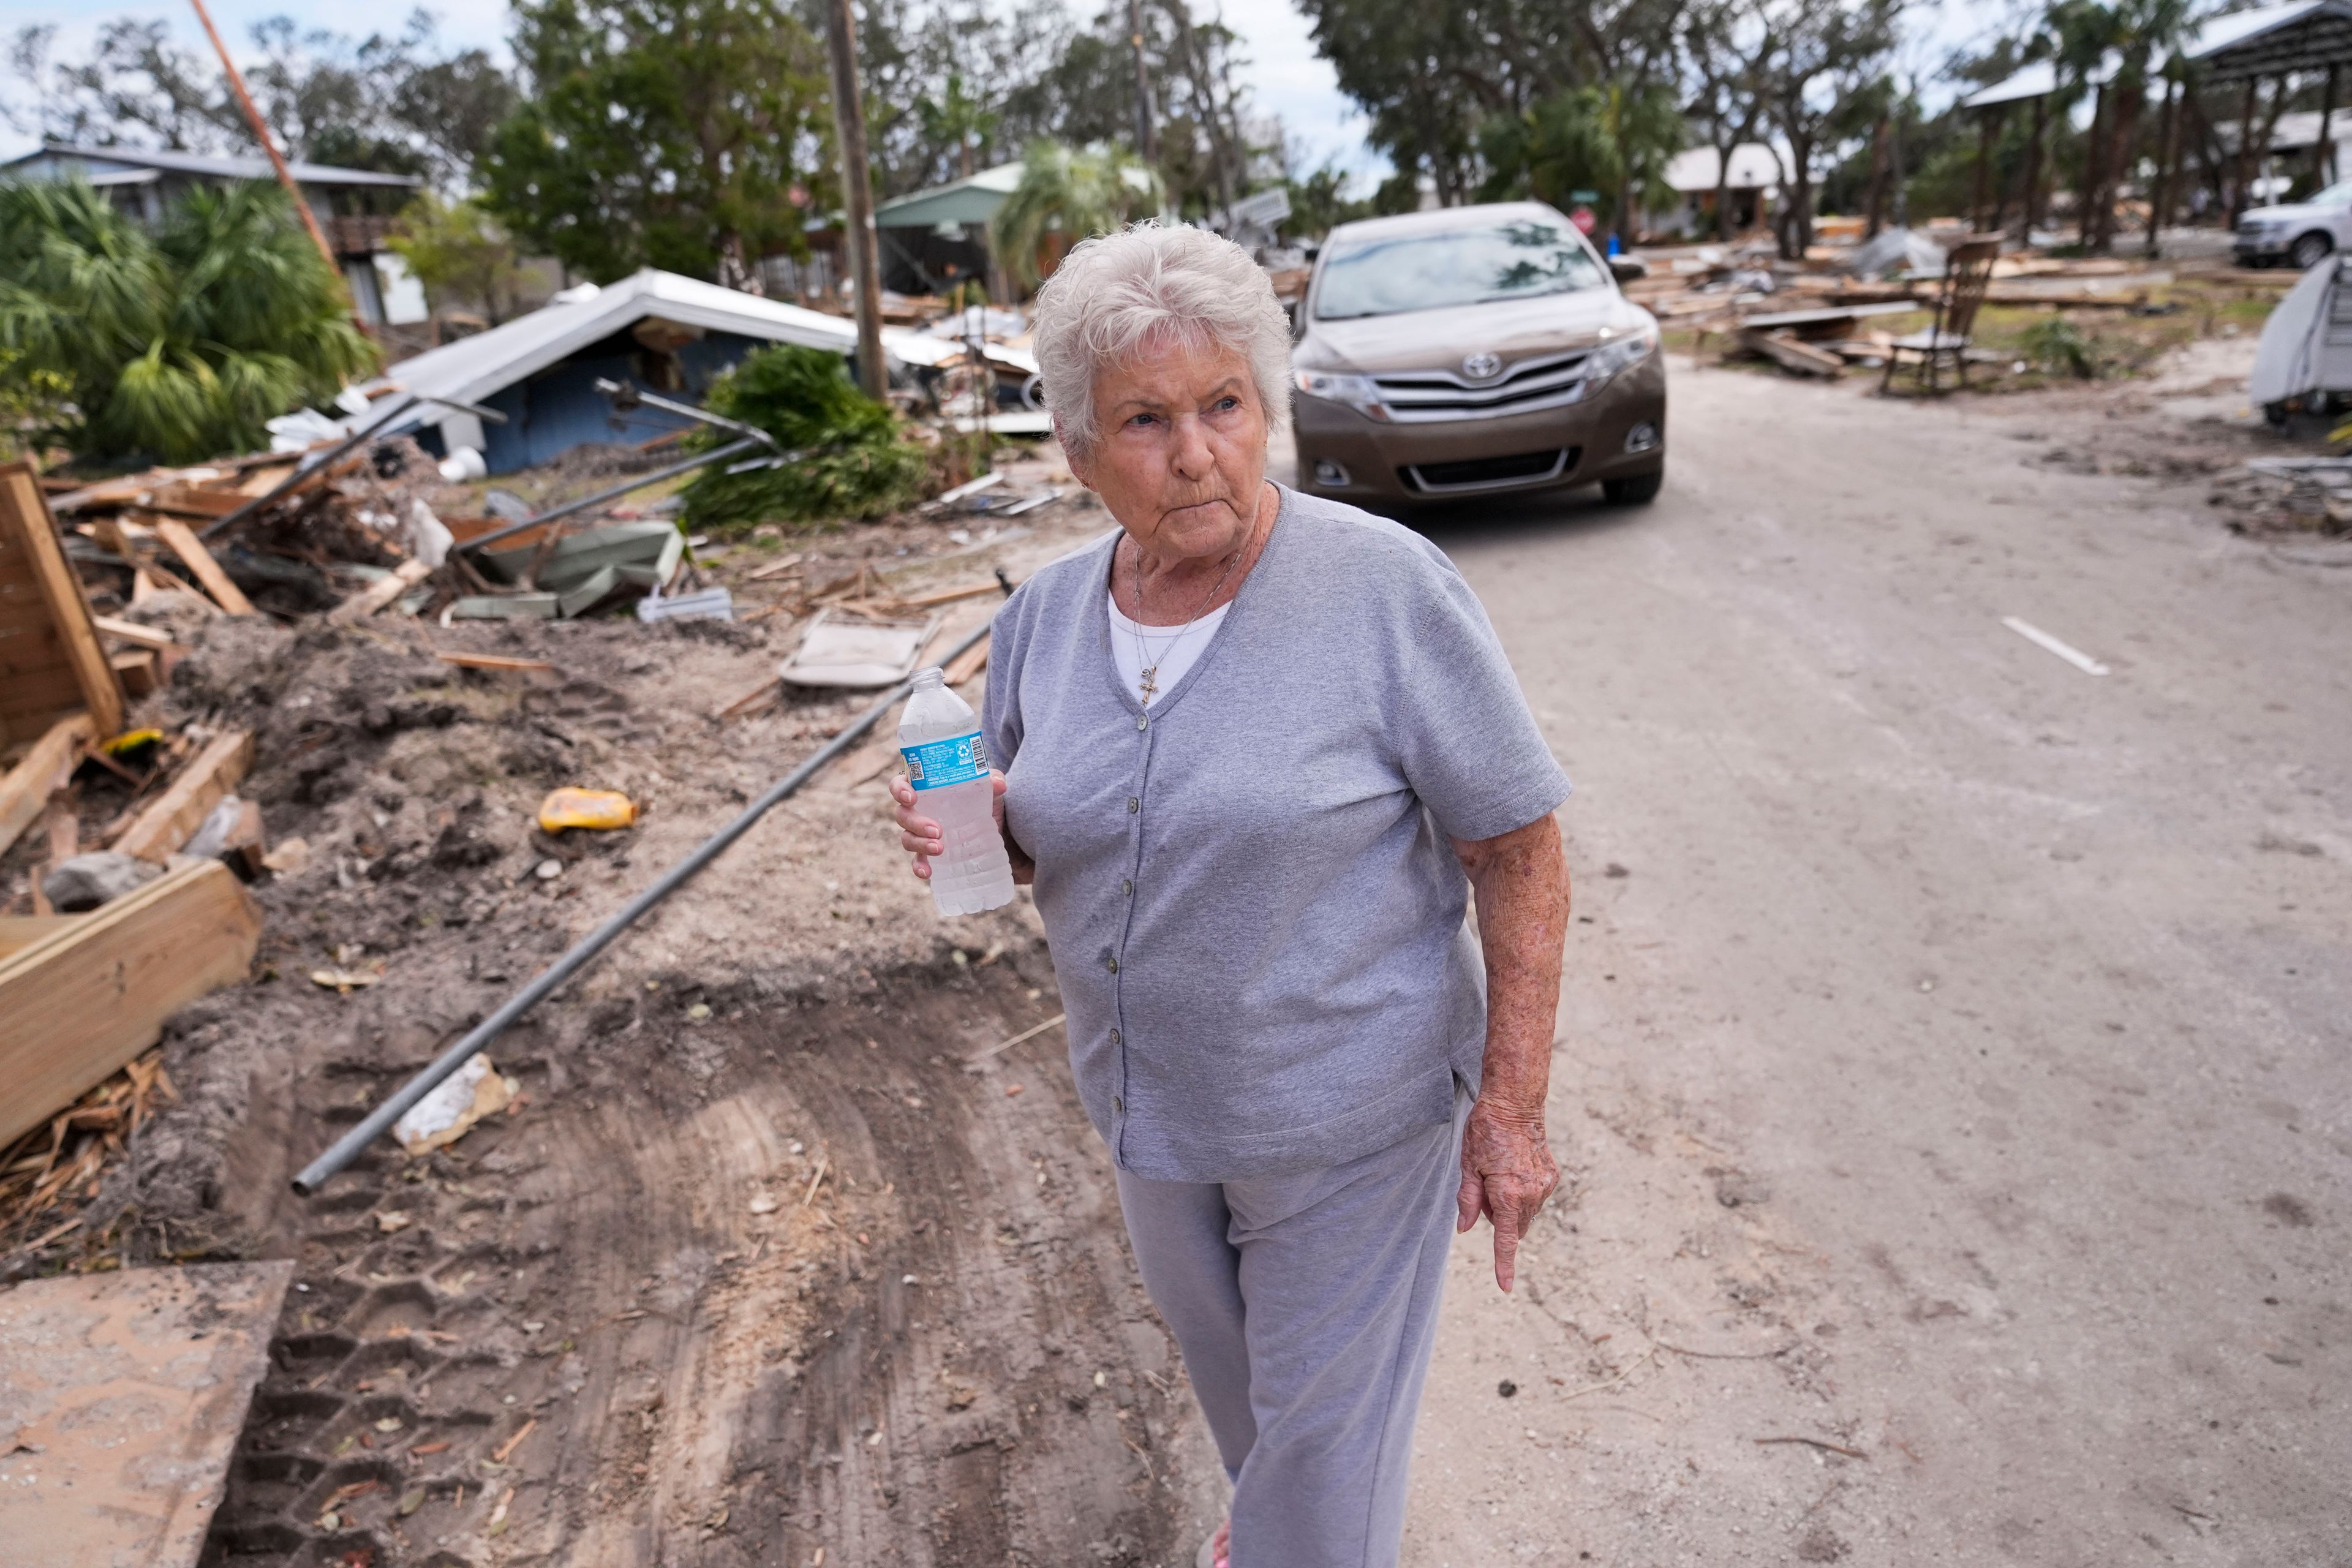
(1286, 76)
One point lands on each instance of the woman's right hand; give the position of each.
(919, 835)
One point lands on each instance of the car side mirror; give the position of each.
(1625, 268)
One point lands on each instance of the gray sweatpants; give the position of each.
(1306, 1306)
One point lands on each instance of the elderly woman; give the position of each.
(1258, 749)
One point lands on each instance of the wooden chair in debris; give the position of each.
(1967, 272)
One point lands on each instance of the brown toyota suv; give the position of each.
(1472, 352)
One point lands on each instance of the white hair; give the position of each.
(1117, 290)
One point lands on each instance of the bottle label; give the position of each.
(936, 764)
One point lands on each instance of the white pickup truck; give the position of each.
(2300, 232)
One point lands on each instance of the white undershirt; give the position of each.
(1174, 649)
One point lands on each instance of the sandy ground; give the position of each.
(1952, 1063)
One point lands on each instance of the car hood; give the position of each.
(1417, 340)
(2291, 212)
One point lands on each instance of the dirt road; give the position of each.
(1954, 1062)
(1951, 1074)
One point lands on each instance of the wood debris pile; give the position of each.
(66, 1155)
(107, 938)
(1815, 319)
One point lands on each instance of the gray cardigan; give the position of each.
(1256, 917)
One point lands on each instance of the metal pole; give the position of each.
(2245, 195)
(2327, 161)
(269, 143)
(700, 459)
(857, 197)
(1977, 197)
(2168, 154)
(2033, 169)
(347, 1148)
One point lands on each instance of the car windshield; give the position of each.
(1462, 267)
(2339, 195)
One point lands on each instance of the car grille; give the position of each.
(1489, 473)
(2250, 229)
(1421, 397)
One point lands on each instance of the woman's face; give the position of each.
(1178, 454)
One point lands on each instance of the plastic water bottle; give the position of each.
(939, 735)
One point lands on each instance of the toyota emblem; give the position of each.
(1482, 366)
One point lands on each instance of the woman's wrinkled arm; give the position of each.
(1520, 880)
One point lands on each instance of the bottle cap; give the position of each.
(931, 675)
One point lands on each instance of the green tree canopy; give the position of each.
(178, 345)
(1610, 139)
(1071, 192)
(686, 134)
(459, 253)
(854, 457)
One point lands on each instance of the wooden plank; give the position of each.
(91, 995)
(490, 661)
(25, 791)
(131, 1386)
(1790, 354)
(968, 663)
(190, 550)
(133, 633)
(20, 932)
(172, 818)
(260, 481)
(36, 576)
(188, 501)
(950, 595)
(135, 667)
(379, 594)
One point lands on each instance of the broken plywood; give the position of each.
(122, 1396)
(51, 662)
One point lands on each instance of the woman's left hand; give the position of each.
(1507, 1172)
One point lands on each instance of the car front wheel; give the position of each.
(2310, 250)
(1636, 490)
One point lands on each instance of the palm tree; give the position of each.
(179, 343)
(1072, 193)
(1611, 139)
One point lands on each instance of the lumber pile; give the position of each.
(301, 537)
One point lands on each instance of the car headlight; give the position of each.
(1361, 393)
(1622, 353)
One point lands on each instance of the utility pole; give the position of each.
(269, 143)
(1146, 147)
(857, 196)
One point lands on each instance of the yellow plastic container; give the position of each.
(597, 808)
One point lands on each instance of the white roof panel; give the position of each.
(474, 368)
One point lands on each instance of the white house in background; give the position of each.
(355, 207)
(1694, 176)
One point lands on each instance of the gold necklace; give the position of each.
(1149, 684)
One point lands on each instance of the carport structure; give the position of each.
(2278, 43)
(2281, 45)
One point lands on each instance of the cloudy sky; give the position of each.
(1287, 77)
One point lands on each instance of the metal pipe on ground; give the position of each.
(347, 1148)
(701, 460)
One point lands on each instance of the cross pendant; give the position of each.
(1151, 687)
